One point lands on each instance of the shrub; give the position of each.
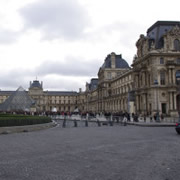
(21, 120)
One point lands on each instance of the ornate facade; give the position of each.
(155, 69)
(112, 90)
(149, 86)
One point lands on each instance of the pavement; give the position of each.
(29, 128)
(91, 153)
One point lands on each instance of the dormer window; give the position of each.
(161, 43)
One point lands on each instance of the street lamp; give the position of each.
(178, 83)
(157, 115)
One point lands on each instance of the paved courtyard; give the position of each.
(91, 153)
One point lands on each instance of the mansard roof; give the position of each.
(93, 84)
(156, 32)
(163, 23)
(119, 62)
(36, 84)
(6, 93)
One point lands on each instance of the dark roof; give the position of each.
(5, 93)
(53, 93)
(93, 84)
(60, 93)
(119, 62)
(163, 23)
(35, 84)
(156, 32)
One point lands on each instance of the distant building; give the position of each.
(47, 101)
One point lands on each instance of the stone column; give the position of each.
(169, 76)
(170, 102)
(175, 102)
(173, 76)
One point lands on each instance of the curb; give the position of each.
(152, 124)
(28, 128)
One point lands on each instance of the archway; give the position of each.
(178, 102)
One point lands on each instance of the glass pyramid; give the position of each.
(18, 101)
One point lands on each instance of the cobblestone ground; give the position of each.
(91, 153)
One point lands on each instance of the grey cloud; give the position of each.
(56, 18)
(63, 84)
(70, 74)
(71, 67)
(128, 31)
(15, 78)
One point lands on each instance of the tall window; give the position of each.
(161, 61)
(109, 75)
(176, 45)
(178, 77)
(162, 78)
(161, 43)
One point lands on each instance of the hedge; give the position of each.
(21, 120)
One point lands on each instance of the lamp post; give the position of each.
(178, 83)
(157, 115)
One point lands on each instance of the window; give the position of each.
(178, 77)
(161, 43)
(109, 75)
(178, 61)
(162, 78)
(161, 61)
(176, 45)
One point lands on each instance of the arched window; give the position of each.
(176, 45)
(162, 78)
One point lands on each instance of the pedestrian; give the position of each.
(144, 118)
(162, 117)
(155, 116)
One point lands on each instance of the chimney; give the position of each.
(113, 60)
(80, 90)
(30, 84)
(41, 84)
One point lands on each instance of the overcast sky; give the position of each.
(64, 42)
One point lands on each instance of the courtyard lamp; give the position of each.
(157, 115)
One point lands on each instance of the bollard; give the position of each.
(111, 123)
(75, 123)
(86, 123)
(64, 123)
(99, 123)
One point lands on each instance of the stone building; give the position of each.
(155, 69)
(151, 85)
(48, 101)
(110, 92)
